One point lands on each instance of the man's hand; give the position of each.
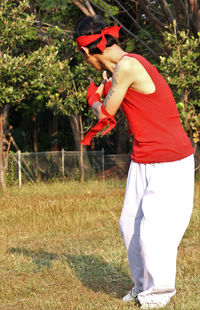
(95, 93)
(92, 96)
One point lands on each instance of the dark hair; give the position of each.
(93, 25)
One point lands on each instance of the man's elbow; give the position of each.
(96, 109)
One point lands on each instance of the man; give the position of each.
(159, 193)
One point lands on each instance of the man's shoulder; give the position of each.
(129, 64)
(125, 70)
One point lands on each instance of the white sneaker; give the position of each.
(131, 296)
(152, 304)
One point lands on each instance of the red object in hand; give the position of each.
(108, 120)
(91, 90)
(92, 96)
(106, 89)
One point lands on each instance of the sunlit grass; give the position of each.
(61, 249)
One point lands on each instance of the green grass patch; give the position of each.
(61, 249)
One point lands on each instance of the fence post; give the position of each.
(103, 164)
(63, 164)
(19, 168)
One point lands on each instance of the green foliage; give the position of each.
(50, 4)
(44, 75)
(181, 70)
(62, 13)
(11, 172)
(16, 26)
(107, 7)
(29, 78)
(71, 98)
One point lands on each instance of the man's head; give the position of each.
(93, 36)
(93, 25)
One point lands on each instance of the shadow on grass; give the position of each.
(40, 258)
(95, 273)
(92, 270)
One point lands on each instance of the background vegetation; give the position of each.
(44, 80)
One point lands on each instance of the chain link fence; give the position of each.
(62, 165)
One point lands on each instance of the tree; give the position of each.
(71, 102)
(181, 70)
(163, 13)
(15, 29)
(35, 69)
(26, 79)
(29, 74)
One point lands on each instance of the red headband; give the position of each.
(85, 40)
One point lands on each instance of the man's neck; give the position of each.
(111, 57)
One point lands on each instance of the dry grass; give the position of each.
(61, 249)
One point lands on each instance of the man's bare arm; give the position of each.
(123, 77)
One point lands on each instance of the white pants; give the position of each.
(156, 212)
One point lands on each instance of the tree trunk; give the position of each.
(81, 152)
(53, 131)
(195, 8)
(90, 8)
(82, 7)
(2, 170)
(74, 122)
(6, 135)
(158, 26)
(77, 130)
(121, 137)
(5, 120)
(35, 148)
(35, 142)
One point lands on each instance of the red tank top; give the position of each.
(154, 121)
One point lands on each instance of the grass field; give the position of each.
(60, 248)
